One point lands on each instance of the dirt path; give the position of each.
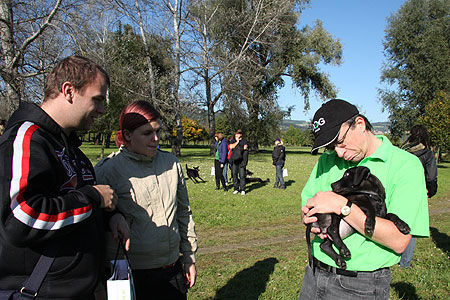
(274, 240)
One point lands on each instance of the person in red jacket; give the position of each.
(48, 190)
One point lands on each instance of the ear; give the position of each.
(360, 123)
(126, 135)
(361, 174)
(68, 90)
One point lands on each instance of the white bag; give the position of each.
(213, 171)
(121, 286)
(285, 173)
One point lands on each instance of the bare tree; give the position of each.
(163, 19)
(274, 48)
(22, 24)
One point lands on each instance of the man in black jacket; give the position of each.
(278, 159)
(49, 197)
(239, 160)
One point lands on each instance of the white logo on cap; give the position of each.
(317, 124)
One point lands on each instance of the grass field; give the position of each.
(253, 247)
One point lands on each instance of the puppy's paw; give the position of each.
(399, 223)
(369, 226)
(403, 227)
(369, 231)
(345, 253)
(341, 263)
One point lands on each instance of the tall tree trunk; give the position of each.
(176, 12)
(211, 117)
(151, 75)
(209, 101)
(253, 125)
(10, 70)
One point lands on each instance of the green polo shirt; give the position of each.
(402, 176)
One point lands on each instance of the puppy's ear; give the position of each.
(361, 174)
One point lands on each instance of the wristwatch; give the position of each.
(345, 210)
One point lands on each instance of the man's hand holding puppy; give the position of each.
(322, 202)
(386, 233)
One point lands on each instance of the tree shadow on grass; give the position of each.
(405, 291)
(249, 283)
(441, 240)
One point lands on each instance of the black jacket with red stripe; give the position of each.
(47, 200)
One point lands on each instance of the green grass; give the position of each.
(252, 246)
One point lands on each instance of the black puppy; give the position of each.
(193, 174)
(249, 177)
(366, 191)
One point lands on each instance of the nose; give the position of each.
(101, 109)
(156, 137)
(339, 151)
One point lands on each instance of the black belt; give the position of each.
(165, 267)
(323, 266)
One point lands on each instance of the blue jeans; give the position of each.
(325, 285)
(408, 254)
(225, 171)
(279, 180)
(238, 172)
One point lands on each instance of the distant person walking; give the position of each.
(418, 143)
(278, 160)
(220, 159)
(239, 160)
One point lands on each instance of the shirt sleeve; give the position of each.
(407, 197)
(310, 188)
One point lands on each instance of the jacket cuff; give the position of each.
(92, 194)
(189, 258)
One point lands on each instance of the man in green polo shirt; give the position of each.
(349, 140)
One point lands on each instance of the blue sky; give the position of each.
(360, 25)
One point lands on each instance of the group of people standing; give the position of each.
(233, 153)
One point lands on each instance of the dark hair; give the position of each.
(351, 123)
(419, 134)
(219, 136)
(135, 115)
(79, 71)
(352, 120)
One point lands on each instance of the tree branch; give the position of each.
(31, 38)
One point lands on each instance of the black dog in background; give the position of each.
(366, 191)
(193, 174)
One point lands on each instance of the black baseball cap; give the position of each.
(328, 119)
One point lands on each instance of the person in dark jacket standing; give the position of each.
(239, 160)
(278, 159)
(49, 196)
(418, 143)
(220, 159)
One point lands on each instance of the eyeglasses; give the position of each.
(341, 141)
